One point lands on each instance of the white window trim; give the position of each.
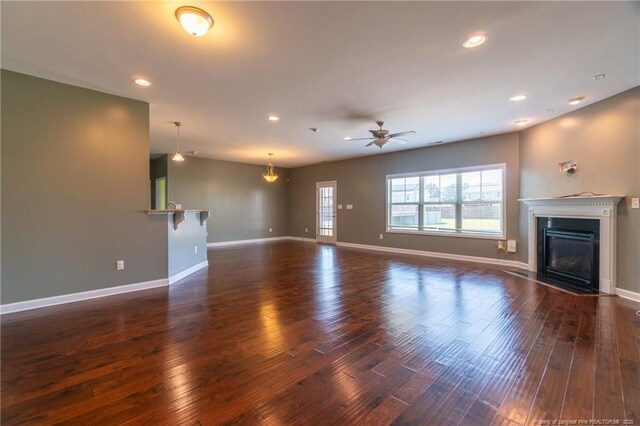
(447, 233)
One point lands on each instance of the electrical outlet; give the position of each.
(339, 206)
(178, 206)
(306, 230)
(270, 229)
(502, 245)
(511, 246)
(349, 206)
(381, 236)
(195, 249)
(119, 265)
(635, 203)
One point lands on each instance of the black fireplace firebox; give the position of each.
(568, 253)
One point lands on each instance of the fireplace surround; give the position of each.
(602, 209)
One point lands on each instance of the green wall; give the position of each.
(243, 205)
(362, 182)
(605, 140)
(75, 183)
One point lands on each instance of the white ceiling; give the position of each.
(333, 65)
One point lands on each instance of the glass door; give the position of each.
(326, 212)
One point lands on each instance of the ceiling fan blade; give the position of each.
(398, 140)
(393, 135)
(360, 139)
(369, 144)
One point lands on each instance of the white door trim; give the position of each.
(322, 239)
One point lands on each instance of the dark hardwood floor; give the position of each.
(298, 333)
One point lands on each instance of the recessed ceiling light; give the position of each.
(522, 122)
(194, 20)
(576, 101)
(273, 117)
(142, 82)
(518, 98)
(347, 138)
(475, 40)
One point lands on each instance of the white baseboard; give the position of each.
(76, 297)
(631, 295)
(477, 259)
(306, 240)
(240, 242)
(180, 275)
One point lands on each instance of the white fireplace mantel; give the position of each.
(602, 208)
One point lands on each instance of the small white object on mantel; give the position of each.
(599, 207)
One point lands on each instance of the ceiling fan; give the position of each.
(382, 136)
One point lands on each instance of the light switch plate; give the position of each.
(119, 265)
(339, 206)
(635, 203)
(349, 206)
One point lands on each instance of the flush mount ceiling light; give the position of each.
(576, 101)
(142, 82)
(518, 98)
(522, 122)
(195, 21)
(271, 175)
(178, 155)
(347, 138)
(475, 40)
(273, 117)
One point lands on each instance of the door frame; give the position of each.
(322, 239)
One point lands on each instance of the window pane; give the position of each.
(431, 189)
(412, 188)
(481, 217)
(441, 216)
(404, 216)
(471, 186)
(492, 185)
(405, 190)
(448, 188)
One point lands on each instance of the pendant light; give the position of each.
(270, 176)
(178, 155)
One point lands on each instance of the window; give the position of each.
(463, 202)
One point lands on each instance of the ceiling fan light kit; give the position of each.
(382, 136)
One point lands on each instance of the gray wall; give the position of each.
(244, 205)
(182, 243)
(75, 182)
(362, 182)
(605, 140)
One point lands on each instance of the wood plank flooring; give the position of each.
(298, 333)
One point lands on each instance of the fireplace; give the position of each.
(568, 253)
(600, 210)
